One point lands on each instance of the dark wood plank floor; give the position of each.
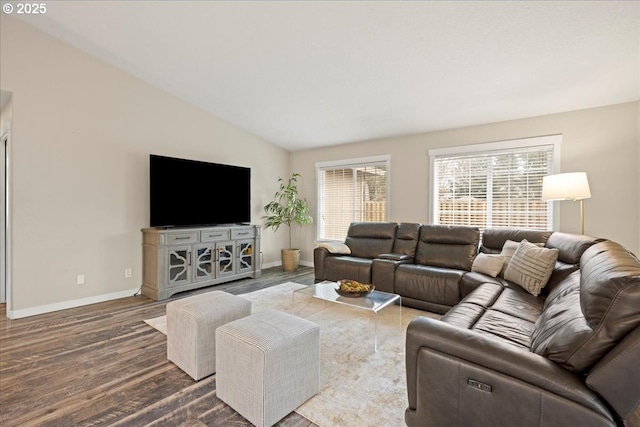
(102, 365)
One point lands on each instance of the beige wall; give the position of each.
(82, 133)
(604, 142)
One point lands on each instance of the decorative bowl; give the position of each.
(353, 289)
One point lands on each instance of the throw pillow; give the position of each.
(508, 249)
(531, 266)
(335, 247)
(488, 264)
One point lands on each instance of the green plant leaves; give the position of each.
(287, 208)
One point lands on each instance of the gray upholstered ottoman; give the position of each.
(268, 364)
(191, 326)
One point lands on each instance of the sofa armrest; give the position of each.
(383, 270)
(319, 254)
(396, 257)
(617, 375)
(483, 353)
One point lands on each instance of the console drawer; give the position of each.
(182, 238)
(243, 233)
(213, 235)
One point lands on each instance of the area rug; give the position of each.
(358, 386)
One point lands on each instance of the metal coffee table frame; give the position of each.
(375, 302)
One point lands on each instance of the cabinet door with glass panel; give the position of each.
(246, 255)
(225, 259)
(179, 265)
(205, 262)
(214, 260)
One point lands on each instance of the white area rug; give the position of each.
(358, 387)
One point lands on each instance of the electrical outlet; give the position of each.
(127, 273)
(80, 279)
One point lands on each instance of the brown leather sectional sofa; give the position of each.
(500, 355)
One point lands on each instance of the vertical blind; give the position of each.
(349, 193)
(501, 188)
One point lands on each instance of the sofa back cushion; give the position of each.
(406, 239)
(493, 238)
(370, 239)
(447, 246)
(570, 249)
(587, 314)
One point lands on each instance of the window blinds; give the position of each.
(500, 188)
(348, 193)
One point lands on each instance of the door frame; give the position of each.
(5, 244)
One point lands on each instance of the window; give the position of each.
(494, 185)
(349, 191)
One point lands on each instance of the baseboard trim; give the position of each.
(279, 264)
(43, 309)
(271, 265)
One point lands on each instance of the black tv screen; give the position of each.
(194, 193)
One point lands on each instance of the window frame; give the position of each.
(353, 163)
(512, 144)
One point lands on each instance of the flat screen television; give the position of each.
(193, 193)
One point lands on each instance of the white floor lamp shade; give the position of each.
(567, 186)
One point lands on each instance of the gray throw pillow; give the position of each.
(488, 264)
(531, 266)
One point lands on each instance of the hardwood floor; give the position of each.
(102, 365)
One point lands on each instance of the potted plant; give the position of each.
(287, 208)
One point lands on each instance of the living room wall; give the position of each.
(603, 142)
(82, 132)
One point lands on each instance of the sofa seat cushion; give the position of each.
(511, 329)
(348, 267)
(484, 295)
(516, 302)
(493, 323)
(464, 315)
(436, 285)
(506, 312)
(471, 280)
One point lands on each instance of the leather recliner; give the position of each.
(366, 240)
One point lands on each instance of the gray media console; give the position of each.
(181, 259)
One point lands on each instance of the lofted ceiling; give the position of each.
(305, 74)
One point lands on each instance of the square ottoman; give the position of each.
(191, 326)
(268, 364)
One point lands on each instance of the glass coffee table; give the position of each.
(374, 302)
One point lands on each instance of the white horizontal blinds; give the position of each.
(461, 190)
(500, 188)
(371, 193)
(349, 193)
(336, 202)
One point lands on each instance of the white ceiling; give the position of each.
(305, 74)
